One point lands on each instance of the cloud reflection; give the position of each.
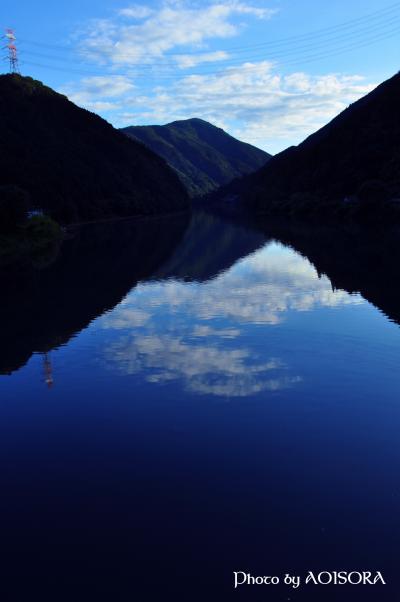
(203, 334)
(205, 369)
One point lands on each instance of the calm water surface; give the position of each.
(225, 398)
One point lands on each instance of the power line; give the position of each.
(321, 32)
(297, 50)
(372, 39)
(313, 35)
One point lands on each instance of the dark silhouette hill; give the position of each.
(74, 164)
(350, 166)
(204, 156)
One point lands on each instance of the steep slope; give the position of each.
(350, 166)
(204, 156)
(73, 163)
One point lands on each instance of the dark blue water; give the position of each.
(219, 398)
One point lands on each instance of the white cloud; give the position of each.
(109, 86)
(173, 25)
(186, 61)
(254, 102)
(136, 11)
(94, 92)
(244, 9)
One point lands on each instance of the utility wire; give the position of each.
(313, 35)
(282, 54)
(229, 69)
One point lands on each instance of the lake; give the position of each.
(186, 397)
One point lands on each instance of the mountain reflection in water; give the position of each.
(224, 399)
(99, 264)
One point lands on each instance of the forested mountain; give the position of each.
(74, 164)
(351, 166)
(204, 156)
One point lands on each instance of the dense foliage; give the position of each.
(350, 167)
(42, 230)
(204, 156)
(75, 165)
(14, 203)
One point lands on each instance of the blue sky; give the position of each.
(269, 72)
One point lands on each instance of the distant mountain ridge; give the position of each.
(351, 166)
(204, 156)
(73, 163)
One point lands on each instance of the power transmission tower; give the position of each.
(12, 51)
